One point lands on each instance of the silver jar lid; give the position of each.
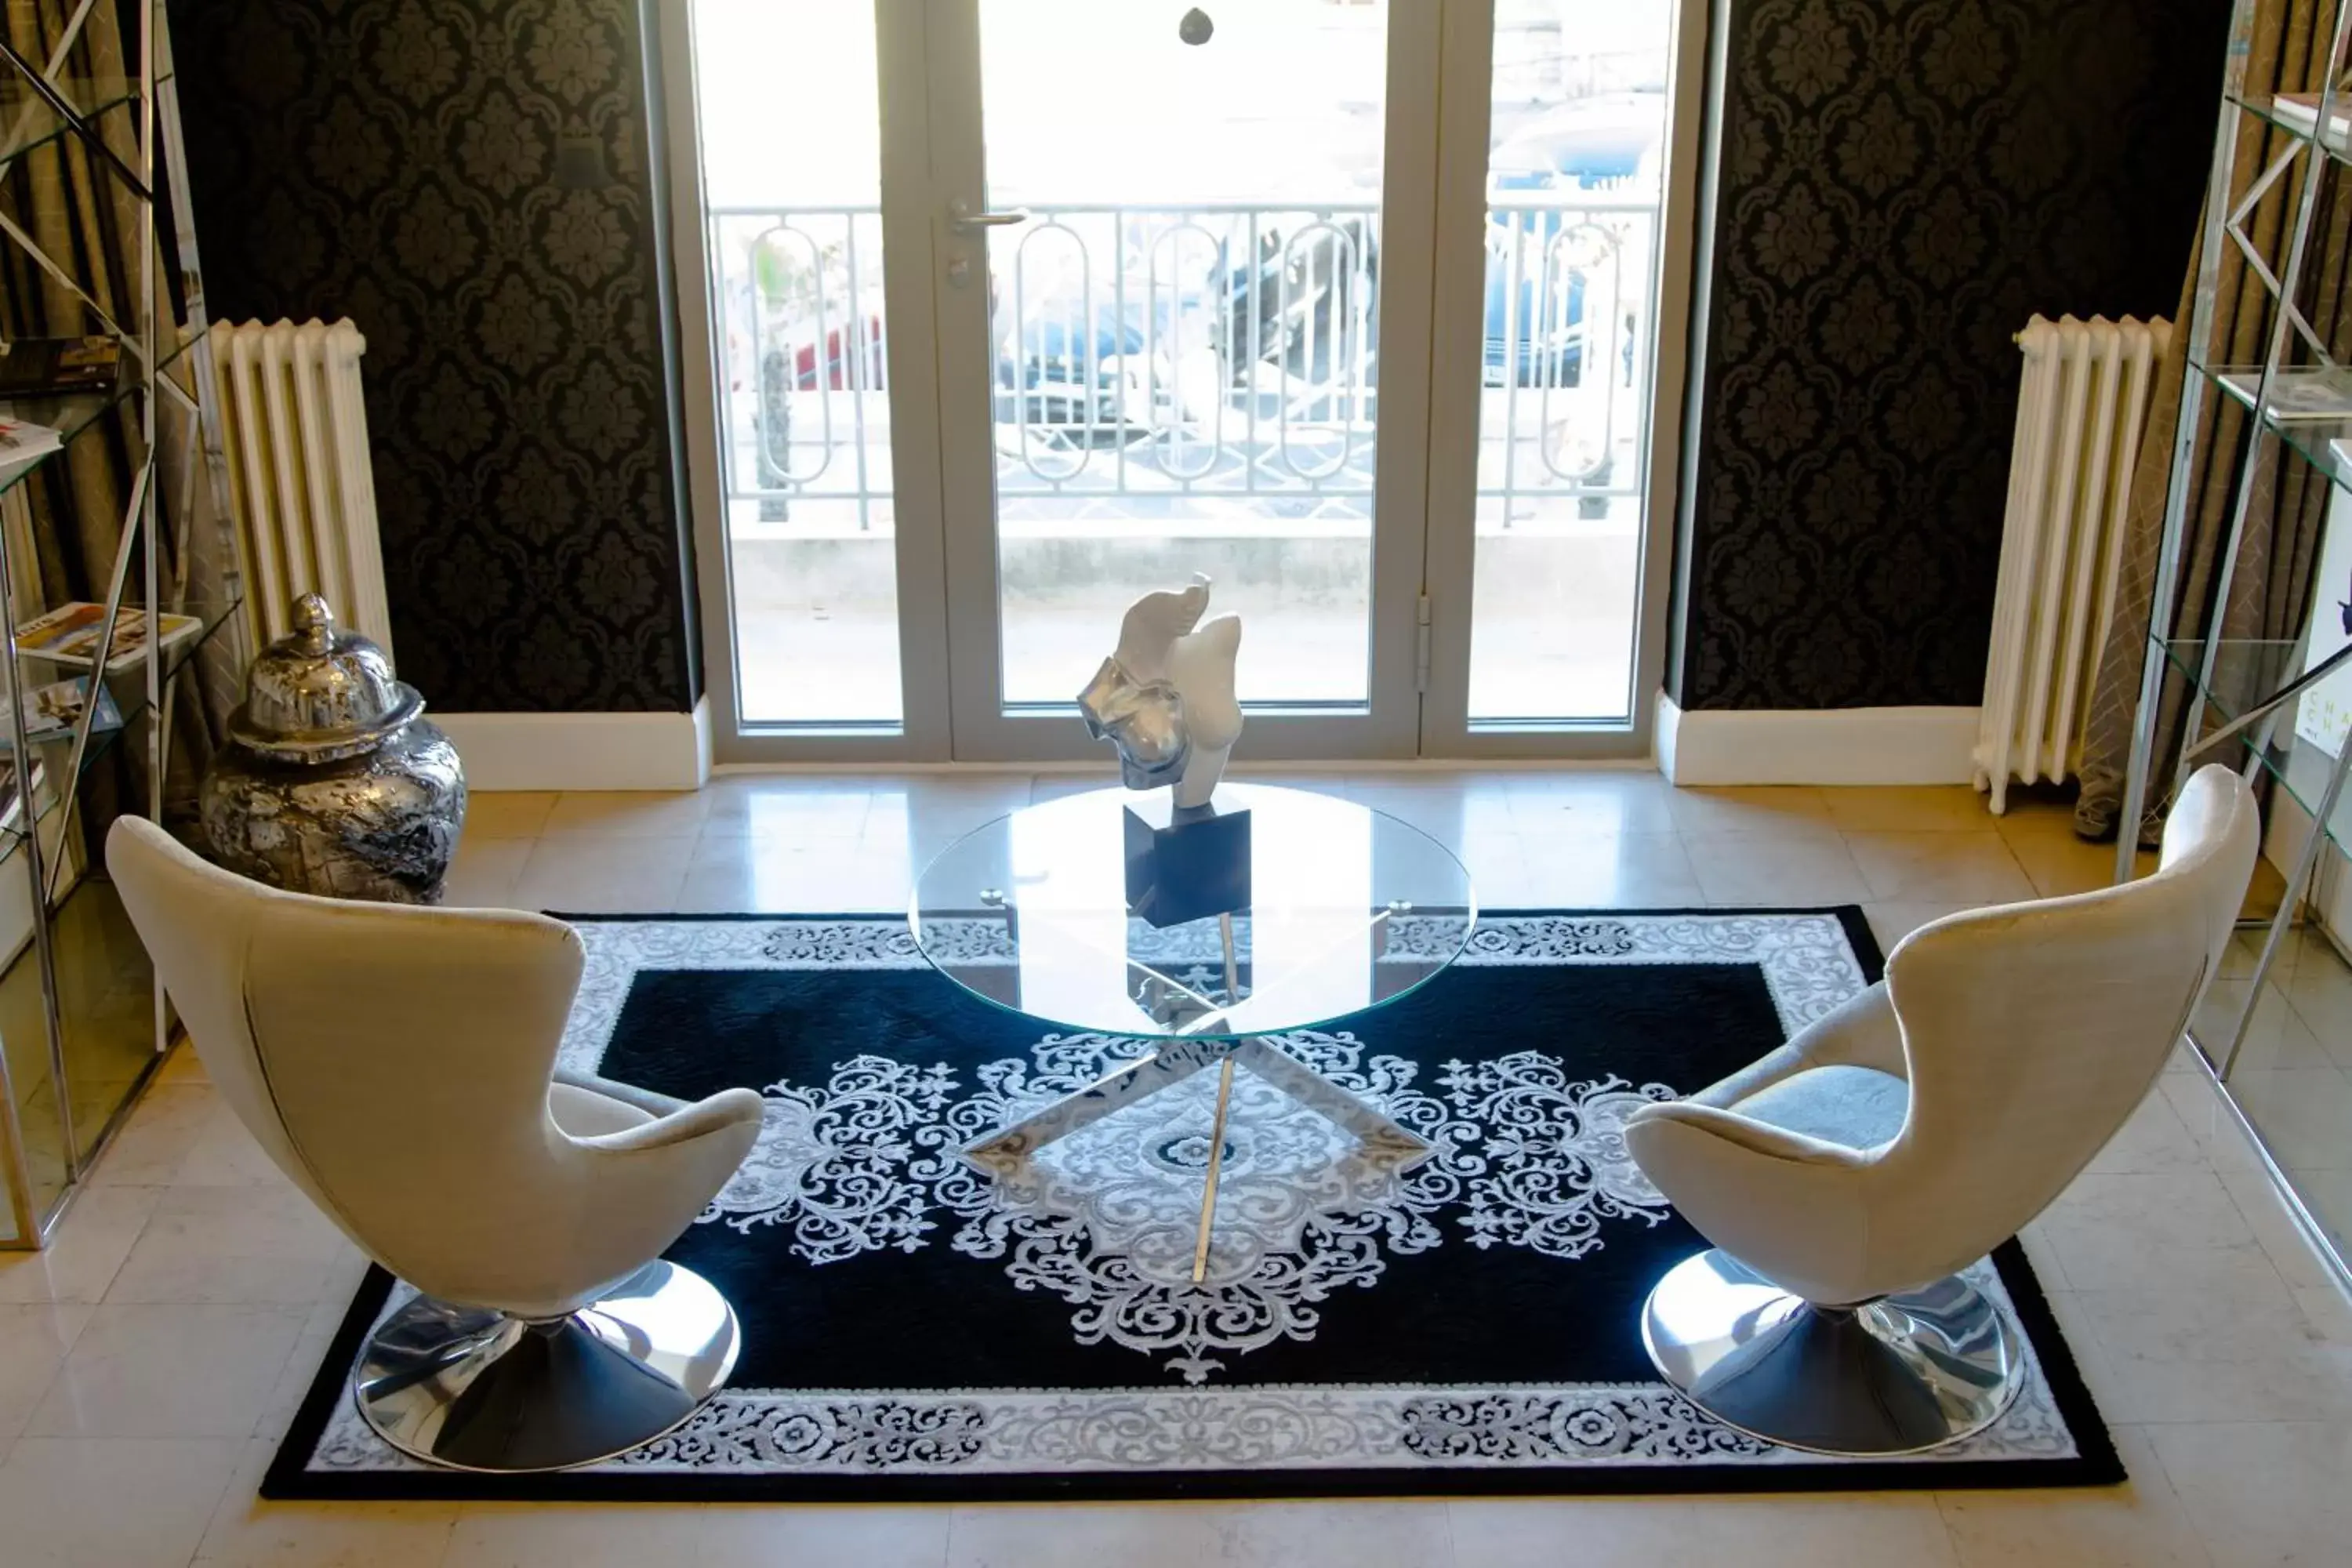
(318, 695)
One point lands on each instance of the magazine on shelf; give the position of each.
(52, 712)
(59, 367)
(23, 443)
(2299, 110)
(2298, 394)
(69, 635)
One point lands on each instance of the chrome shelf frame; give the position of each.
(2300, 397)
(166, 358)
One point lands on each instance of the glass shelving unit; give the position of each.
(73, 415)
(83, 1024)
(2275, 1029)
(31, 118)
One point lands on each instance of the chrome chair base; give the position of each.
(1898, 1376)
(475, 1389)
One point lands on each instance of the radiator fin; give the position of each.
(296, 436)
(2081, 406)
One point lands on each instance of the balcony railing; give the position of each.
(1218, 360)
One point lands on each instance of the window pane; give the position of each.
(1574, 183)
(1185, 331)
(792, 170)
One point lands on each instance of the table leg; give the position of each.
(1175, 1060)
(1171, 1063)
(1320, 1094)
(1224, 1103)
(1233, 970)
(1216, 1162)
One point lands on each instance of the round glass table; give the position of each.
(1319, 908)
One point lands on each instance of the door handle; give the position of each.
(964, 220)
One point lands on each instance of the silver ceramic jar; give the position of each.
(332, 782)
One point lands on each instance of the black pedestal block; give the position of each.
(1183, 864)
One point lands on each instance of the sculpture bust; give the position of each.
(1166, 698)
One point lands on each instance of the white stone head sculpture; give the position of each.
(1165, 699)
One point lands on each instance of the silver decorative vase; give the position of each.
(332, 782)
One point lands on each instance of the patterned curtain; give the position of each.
(70, 512)
(2288, 506)
(77, 211)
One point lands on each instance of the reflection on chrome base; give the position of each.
(474, 1389)
(1898, 1376)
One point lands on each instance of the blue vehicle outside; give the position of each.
(1278, 309)
(1056, 380)
(1592, 145)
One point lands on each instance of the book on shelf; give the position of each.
(69, 635)
(2323, 714)
(23, 443)
(2300, 112)
(53, 711)
(59, 367)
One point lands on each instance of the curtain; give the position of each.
(70, 511)
(2288, 502)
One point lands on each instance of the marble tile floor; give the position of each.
(150, 1360)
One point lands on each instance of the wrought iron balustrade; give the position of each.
(1165, 358)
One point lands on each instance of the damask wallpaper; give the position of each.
(1901, 184)
(470, 182)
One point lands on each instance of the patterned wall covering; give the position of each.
(1902, 183)
(468, 180)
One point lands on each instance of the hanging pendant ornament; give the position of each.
(1196, 27)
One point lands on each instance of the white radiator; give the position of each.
(2080, 408)
(298, 448)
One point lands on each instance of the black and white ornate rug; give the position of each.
(913, 1329)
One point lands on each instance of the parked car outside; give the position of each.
(1606, 145)
(1084, 363)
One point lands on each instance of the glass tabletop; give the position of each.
(1346, 908)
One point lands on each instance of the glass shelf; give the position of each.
(72, 414)
(2311, 410)
(29, 121)
(106, 1003)
(2301, 769)
(104, 988)
(129, 688)
(2247, 672)
(2287, 120)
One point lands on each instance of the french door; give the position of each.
(1018, 309)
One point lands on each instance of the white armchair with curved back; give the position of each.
(397, 1063)
(1847, 1178)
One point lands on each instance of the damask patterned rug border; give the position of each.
(296, 1474)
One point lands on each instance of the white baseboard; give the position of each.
(1816, 746)
(582, 751)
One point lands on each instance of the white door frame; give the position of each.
(1388, 725)
(1460, 332)
(1431, 335)
(923, 736)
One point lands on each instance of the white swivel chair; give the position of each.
(1846, 1178)
(396, 1062)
